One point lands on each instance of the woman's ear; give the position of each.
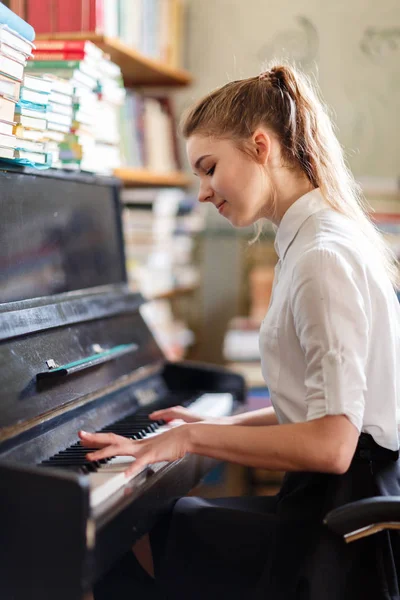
(262, 145)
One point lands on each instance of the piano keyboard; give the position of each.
(108, 475)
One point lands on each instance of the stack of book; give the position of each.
(90, 123)
(15, 49)
(148, 137)
(59, 118)
(107, 125)
(31, 122)
(159, 228)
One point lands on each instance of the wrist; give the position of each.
(191, 436)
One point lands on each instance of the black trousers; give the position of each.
(273, 547)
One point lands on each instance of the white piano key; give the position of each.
(212, 405)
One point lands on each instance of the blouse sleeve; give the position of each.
(333, 330)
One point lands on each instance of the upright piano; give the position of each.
(76, 353)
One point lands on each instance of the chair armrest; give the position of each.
(364, 513)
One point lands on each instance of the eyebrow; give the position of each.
(198, 161)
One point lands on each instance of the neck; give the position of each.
(288, 187)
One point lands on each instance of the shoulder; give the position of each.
(325, 266)
(330, 241)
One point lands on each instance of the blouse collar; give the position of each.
(295, 216)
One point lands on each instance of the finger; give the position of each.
(107, 452)
(167, 414)
(168, 410)
(136, 467)
(160, 414)
(97, 440)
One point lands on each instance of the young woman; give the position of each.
(264, 147)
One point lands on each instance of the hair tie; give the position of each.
(274, 77)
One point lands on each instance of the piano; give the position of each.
(76, 353)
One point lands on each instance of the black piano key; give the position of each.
(54, 462)
(121, 430)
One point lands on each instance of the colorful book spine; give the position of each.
(50, 65)
(61, 45)
(51, 16)
(41, 15)
(62, 55)
(69, 15)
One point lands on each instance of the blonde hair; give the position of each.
(284, 100)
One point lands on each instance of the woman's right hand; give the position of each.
(175, 413)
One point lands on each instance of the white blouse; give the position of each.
(330, 342)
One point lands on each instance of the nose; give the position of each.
(205, 192)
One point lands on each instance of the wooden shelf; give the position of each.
(136, 68)
(144, 178)
(178, 291)
(174, 293)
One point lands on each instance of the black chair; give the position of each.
(359, 519)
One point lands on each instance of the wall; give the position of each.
(352, 47)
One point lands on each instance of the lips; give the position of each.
(220, 205)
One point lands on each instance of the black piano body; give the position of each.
(76, 353)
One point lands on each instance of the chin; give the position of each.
(241, 222)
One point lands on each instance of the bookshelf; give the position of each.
(137, 69)
(140, 71)
(146, 178)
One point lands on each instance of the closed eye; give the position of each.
(211, 171)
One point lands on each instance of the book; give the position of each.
(76, 71)
(35, 97)
(50, 16)
(58, 84)
(28, 111)
(7, 127)
(94, 21)
(35, 157)
(63, 99)
(11, 52)
(68, 15)
(61, 56)
(60, 108)
(13, 21)
(7, 141)
(8, 153)
(10, 88)
(18, 7)
(54, 136)
(31, 122)
(41, 15)
(58, 127)
(11, 38)
(85, 47)
(38, 84)
(60, 119)
(57, 65)
(7, 109)
(22, 133)
(9, 66)
(29, 145)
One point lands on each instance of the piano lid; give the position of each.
(69, 327)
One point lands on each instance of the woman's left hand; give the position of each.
(168, 446)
